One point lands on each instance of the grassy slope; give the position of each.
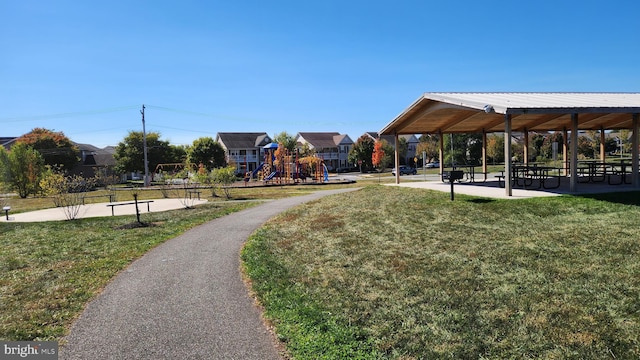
(49, 271)
(405, 273)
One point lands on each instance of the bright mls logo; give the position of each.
(38, 350)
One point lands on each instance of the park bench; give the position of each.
(194, 193)
(130, 203)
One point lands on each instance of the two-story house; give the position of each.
(332, 147)
(244, 149)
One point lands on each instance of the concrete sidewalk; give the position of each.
(491, 189)
(101, 209)
(482, 189)
(184, 299)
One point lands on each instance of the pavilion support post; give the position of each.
(526, 147)
(484, 154)
(441, 155)
(507, 155)
(573, 180)
(634, 151)
(565, 152)
(603, 156)
(397, 157)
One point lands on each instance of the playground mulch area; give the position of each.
(276, 182)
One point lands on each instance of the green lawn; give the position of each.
(49, 271)
(400, 273)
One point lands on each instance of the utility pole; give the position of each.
(144, 150)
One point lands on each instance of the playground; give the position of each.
(282, 166)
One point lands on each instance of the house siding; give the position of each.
(244, 150)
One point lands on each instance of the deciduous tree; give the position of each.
(495, 148)
(56, 149)
(67, 191)
(286, 140)
(223, 178)
(361, 152)
(129, 154)
(378, 154)
(22, 169)
(207, 152)
(429, 144)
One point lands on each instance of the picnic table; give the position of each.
(592, 171)
(620, 169)
(469, 173)
(526, 176)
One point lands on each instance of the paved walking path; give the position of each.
(185, 299)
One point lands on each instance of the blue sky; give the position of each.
(203, 67)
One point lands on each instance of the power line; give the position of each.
(66, 115)
(187, 130)
(194, 113)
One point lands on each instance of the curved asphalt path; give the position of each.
(185, 299)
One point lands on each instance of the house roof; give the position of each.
(7, 141)
(95, 156)
(320, 140)
(243, 140)
(88, 147)
(478, 112)
(342, 139)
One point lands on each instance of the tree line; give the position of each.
(467, 148)
(42, 153)
(36, 159)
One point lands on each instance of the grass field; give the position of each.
(49, 271)
(400, 273)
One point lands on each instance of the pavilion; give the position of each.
(445, 113)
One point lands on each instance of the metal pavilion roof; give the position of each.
(478, 112)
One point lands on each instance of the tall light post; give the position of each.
(144, 150)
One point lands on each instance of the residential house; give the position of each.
(6, 142)
(95, 162)
(244, 149)
(412, 145)
(332, 147)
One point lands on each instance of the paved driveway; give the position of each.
(185, 299)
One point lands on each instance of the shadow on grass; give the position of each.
(624, 198)
(481, 201)
(135, 225)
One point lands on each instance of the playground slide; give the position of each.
(326, 173)
(270, 176)
(255, 172)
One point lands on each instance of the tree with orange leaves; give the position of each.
(377, 158)
(56, 149)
